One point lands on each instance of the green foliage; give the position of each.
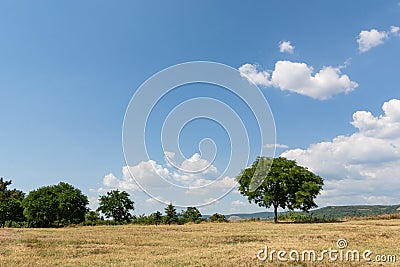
(41, 207)
(11, 209)
(93, 218)
(191, 214)
(283, 184)
(301, 217)
(60, 204)
(216, 217)
(156, 217)
(355, 211)
(116, 205)
(72, 204)
(170, 215)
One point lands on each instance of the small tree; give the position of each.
(283, 184)
(191, 214)
(170, 214)
(157, 217)
(117, 205)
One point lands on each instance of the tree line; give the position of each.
(62, 204)
(283, 184)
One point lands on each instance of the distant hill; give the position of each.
(261, 215)
(329, 212)
(352, 211)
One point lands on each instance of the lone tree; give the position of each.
(10, 203)
(282, 184)
(170, 214)
(117, 205)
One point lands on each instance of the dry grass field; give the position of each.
(208, 244)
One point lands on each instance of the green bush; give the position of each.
(216, 217)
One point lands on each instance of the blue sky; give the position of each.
(68, 71)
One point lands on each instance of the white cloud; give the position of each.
(110, 180)
(275, 146)
(362, 167)
(146, 173)
(239, 203)
(151, 201)
(196, 164)
(369, 39)
(286, 47)
(298, 77)
(169, 158)
(394, 29)
(157, 179)
(250, 72)
(154, 200)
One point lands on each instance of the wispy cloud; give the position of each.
(275, 145)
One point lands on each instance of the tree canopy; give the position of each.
(217, 217)
(156, 217)
(170, 214)
(10, 203)
(116, 205)
(191, 214)
(283, 184)
(55, 205)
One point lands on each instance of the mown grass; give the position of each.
(208, 244)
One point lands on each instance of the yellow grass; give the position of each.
(209, 244)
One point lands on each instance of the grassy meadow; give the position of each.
(206, 244)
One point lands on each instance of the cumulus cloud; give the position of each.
(286, 47)
(196, 164)
(299, 78)
(150, 174)
(368, 39)
(168, 184)
(362, 167)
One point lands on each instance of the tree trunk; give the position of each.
(275, 213)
